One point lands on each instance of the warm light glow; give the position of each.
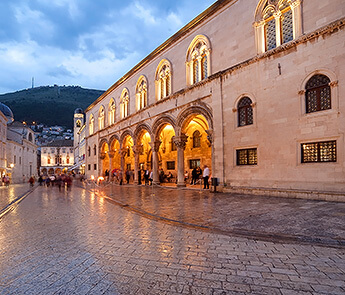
(101, 178)
(11, 165)
(92, 177)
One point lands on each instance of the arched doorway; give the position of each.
(198, 149)
(104, 156)
(167, 154)
(115, 155)
(128, 160)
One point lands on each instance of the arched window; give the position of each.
(111, 115)
(318, 94)
(78, 123)
(245, 112)
(67, 159)
(89, 151)
(196, 139)
(95, 150)
(101, 117)
(91, 124)
(163, 79)
(277, 22)
(141, 93)
(30, 137)
(198, 60)
(124, 102)
(49, 160)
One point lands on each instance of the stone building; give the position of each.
(57, 157)
(18, 151)
(253, 89)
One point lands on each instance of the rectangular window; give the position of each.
(194, 163)
(170, 165)
(319, 152)
(246, 157)
(20, 160)
(94, 166)
(89, 167)
(15, 159)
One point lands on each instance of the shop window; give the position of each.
(170, 165)
(195, 163)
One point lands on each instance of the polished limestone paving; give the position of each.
(129, 240)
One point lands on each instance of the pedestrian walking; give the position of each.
(206, 175)
(32, 181)
(194, 176)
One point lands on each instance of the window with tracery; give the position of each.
(318, 94)
(198, 60)
(163, 80)
(319, 152)
(196, 139)
(101, 117)
(124, 102)
(111, 112)
(141, 93)
(245, 111)
(91, 124)
(277, 22)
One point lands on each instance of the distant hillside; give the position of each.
(49, 105)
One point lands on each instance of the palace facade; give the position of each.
(252, 89)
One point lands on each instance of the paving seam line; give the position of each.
(11, 206)
(334, 243)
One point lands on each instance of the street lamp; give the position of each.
(11, 165)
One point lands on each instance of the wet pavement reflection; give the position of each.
(77, 242)
(245, 215)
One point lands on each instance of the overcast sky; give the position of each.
(91, 43)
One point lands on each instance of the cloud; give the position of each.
(83, 42)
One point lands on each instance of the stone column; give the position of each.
(123, 153)
(111, 157)
(136, 152)
(155, 148)
(297, 18)
(180, 142)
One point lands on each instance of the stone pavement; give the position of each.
(261, 217)
(76, 242)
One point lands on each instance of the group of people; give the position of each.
(196, 175)
(60, 180)
(5, 180)
(145, 176)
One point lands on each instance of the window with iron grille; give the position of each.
(170, 165)
(318, 94)
(245, 112)
(319, 152)
(287, 26)
(195, 163)
(247, 157)
(270, 32)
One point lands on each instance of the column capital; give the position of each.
(180, 141)
(209, 135)
(155, 145)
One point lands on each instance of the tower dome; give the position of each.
(78, 111)
(7, 112)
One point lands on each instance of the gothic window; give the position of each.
(196, 139)
(318, 94)
(245, 112)
(141, 93)
(163, 80)
(246, 157)
(124, 101)
(111, 115)
(173, 145)
(277, 22)
(319, 152)
(30, 137)
(198, 60)
(101, 117)
(91, 124)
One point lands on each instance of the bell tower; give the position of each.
(78, 123)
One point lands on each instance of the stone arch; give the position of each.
(101, 144)
(124, 135)
(139, 129)
(197, 39)
(186, 114)
(160, 123)
(114, 137)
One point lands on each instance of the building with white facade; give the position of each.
(252, 89)
(79, 142)
(18, 151)
(57, 157)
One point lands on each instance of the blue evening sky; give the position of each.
(90, 43)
